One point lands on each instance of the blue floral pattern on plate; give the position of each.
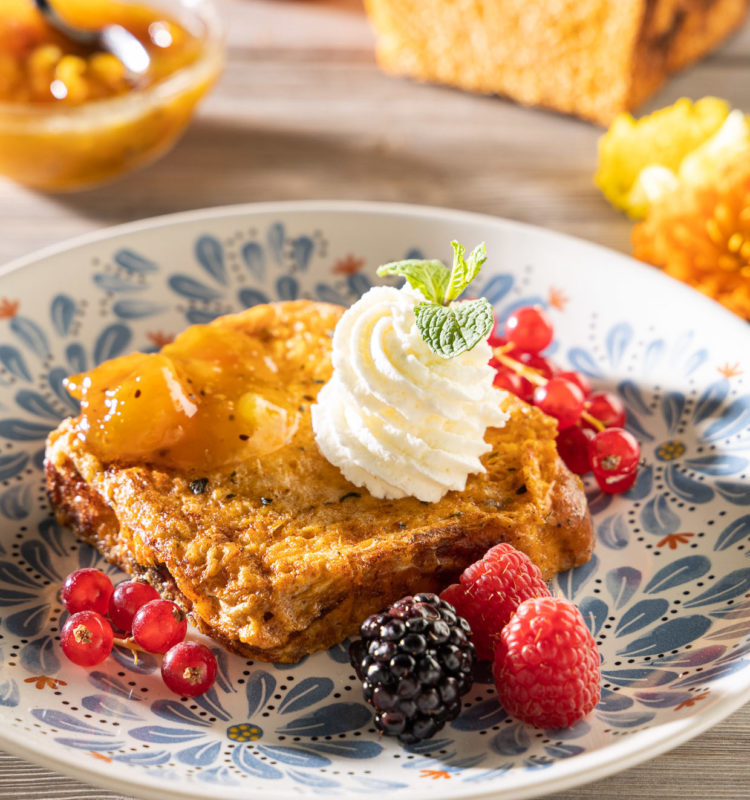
(666, 593)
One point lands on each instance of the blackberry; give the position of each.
(415, 660)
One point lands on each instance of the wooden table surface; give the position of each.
(303, 112)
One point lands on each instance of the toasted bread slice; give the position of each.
(282, 556)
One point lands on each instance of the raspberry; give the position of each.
(415, 660)
(490, 591)
(547, 664)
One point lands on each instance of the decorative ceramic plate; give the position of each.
(667, 593)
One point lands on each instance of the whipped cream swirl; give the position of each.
(395, 417)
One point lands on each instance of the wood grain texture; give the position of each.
(303, 112)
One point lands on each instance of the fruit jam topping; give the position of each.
(208, 400)
(40, 66)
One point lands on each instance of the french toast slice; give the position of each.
(280, 555)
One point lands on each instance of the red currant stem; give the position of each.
(535, 377)
(531, 375)
(130, 644)
(597, 423)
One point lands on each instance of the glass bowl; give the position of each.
(66, 148)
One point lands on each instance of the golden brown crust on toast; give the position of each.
(592, 58)
(283, 556)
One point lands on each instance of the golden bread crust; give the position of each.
(283, 556)
(592, 58)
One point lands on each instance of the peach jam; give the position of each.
(39, 66)
(217, 395)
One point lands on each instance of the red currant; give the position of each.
(607, 408)
(579, 379)
(529, 328)
(560, 399)
(86, 590)
(539, 363)
(159, 625)
(612, 485)
(126, 599)
(86, 638)
(495, 339)
(614, 454)
(573, 447)
(515, 384)
(189, 669)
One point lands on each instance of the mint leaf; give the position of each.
(454, 329)
(448, 328)
(428, 275)
(464, 271)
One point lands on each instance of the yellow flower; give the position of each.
(700, 234)
(641, 161)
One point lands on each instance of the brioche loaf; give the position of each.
(592, 58)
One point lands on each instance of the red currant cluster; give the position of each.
(591, 436)
(147, 622)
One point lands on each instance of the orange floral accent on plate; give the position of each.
(44, 681)
(557, 299)
(691, 701)
(8, 308)
(159, 339)
(673, 539)
(100, 756)
(348, 265)
(730, 370)
(701, 235)
(434, 773)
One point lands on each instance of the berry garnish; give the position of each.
(496, 339)
(513, 383)
(566, 396)
(614, 454)
(617, 485)
(86, 638)
(126, 599)
(573, 448)
(86, 590)
(159, 625)
(547, 664)
(607, 408)
(415, 660)
(529, 329)
(561, 399)
(489, 592)
(579, 379)
(543, 367)
(189, 669)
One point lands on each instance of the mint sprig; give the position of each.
(464, 271)
(449, 328)
(430, 276)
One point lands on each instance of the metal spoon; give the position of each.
(112, 39)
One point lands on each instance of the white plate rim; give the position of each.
(582, 769)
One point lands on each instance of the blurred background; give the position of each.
(303, 111)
